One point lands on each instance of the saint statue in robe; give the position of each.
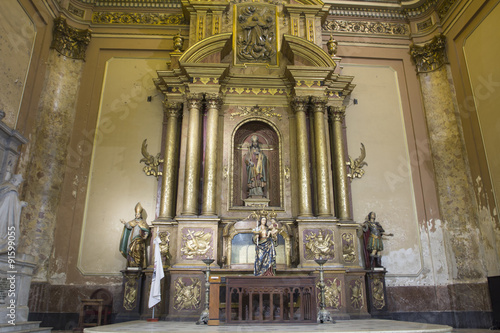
(10, 212)
(256, 165)
(133, 239)
(265, 239)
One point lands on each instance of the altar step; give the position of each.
(24, 327)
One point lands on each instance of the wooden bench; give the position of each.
(274, 299)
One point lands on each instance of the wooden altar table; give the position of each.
(271, 299)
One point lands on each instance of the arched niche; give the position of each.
(270, 144)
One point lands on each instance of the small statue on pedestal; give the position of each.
(373, 233)
(133, 239)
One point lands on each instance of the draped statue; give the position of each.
(133, 239)
(10, 212)
(265, 239)
(256, 165)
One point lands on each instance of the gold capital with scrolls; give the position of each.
(337, 113)
(431, 56)
(172, 109)
(194, 100)
(319, 104)
(214, 101)
(299, 103)
(69, 41)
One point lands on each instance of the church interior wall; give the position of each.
(94, 196)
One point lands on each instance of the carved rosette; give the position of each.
(378, 299)
(348, 250)
(69, 41)
(187, 294)
(431, 56)
(333, 290)
(318, 244)
(172, 109)
(337, 113)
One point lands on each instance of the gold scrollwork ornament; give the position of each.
(320, 245)
(130, 293)
(356, 165)
(152, 162)
(333, 290)
(357, 294)
(196, 243)
(378, 294)
(187, 297)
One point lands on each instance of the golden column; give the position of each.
(193, 156)
(47, 160)
(209, 177)
(299, 105)
(321, 158)
(343, 206)
(170, 161)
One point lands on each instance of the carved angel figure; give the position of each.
(152, 162)
(357, 164)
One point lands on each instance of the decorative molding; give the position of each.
(75, 10)
(69, 41)
(255, 91)
(445, 7)
(135, 3)
(424, 24)
(255, 111)
(366, 27)
(431, 56)
(138, 18)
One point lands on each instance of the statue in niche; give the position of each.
(133, 239)
(373, 233)
(10, 212)
(256, 35)
(256, 165)
(265, 239)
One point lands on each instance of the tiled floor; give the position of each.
(349, 326)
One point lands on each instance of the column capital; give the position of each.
(299, 103)
(69, 41)
(431, 56)
(172, 109)
(214, 101)
(194, 100)
(319, 104)
(337, 113)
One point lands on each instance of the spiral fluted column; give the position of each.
(343, 205)
(321, 157)
(193, 156)
(170, 164)
(299, 105)
(210, 173)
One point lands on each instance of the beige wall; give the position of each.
(17, 38)
(116, 180)
(481, 49)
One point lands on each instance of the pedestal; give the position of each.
(130, 305)
(213, 313)
(377, 297)
(256, 202)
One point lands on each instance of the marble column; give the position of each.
(193, 156)
(343, 206)
(455, 189)
(55, 120)
(214, 103)
(321, 157)
(170, 161)
(299, 105)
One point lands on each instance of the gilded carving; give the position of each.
(333, 289)
(424, 24)
(357, 294)
(319, 245)
(138, 18)
(332, 46)
(196, 243)
(431, 56)
(165, 245)
(256, 91)
(337, 113)
(255, 111)
(178, 42)
(172, 109)
(256, 33)
(187, 296)
(214, 101)
(357, 164)
(299, 103)
(348, 250)
(378, 299)
(445, 7)
(319, 104)
(76, 11)
(152, 162)
(130, 293)
(194, 100)
(69, 41)
(365, 27)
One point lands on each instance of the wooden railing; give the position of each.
(272, 299)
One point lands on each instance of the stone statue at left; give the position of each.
(10, 212)
(133, 239)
